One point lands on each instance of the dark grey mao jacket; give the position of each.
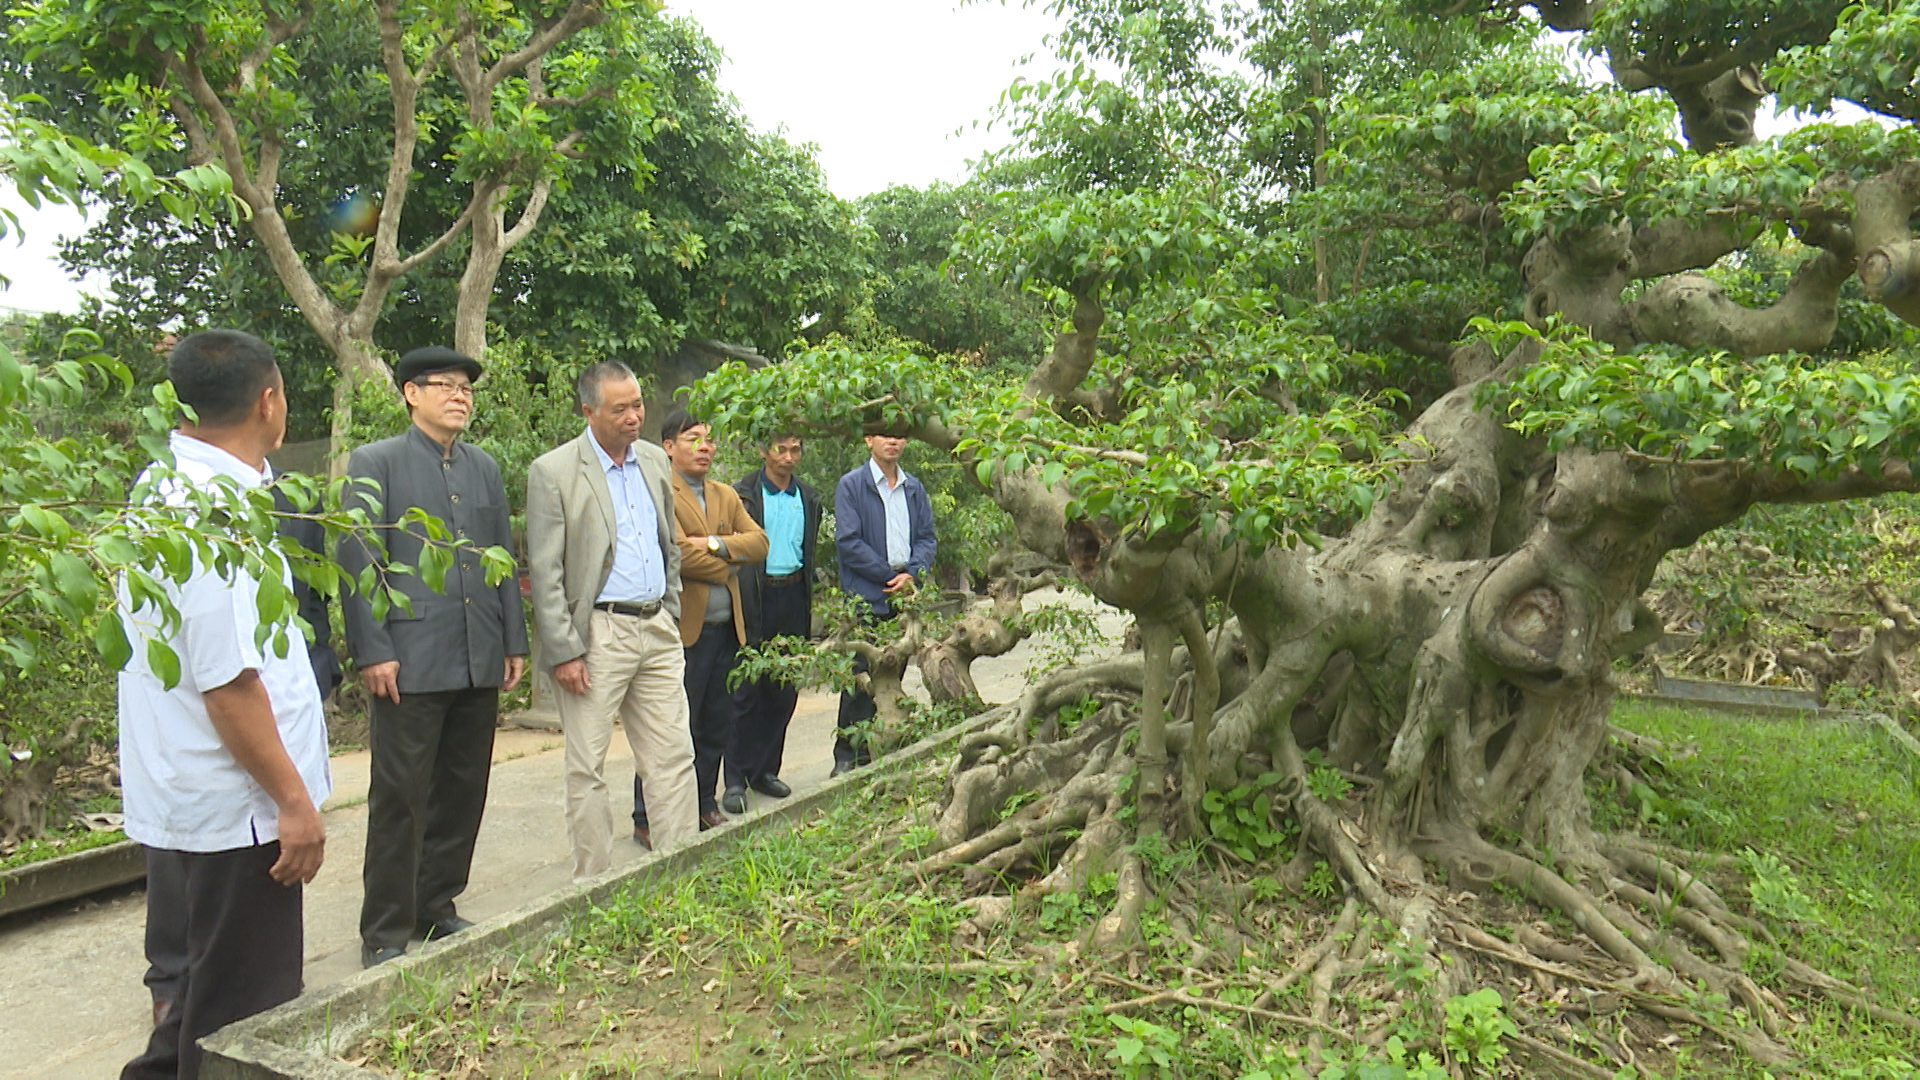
(452, 640)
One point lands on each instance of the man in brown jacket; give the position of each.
(717, 535)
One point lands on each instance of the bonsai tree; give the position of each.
(1388, 375)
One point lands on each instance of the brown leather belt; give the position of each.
(639, 611)
(786, 579)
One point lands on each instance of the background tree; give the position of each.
(709, 230)
(520, 90)
(1398, 495)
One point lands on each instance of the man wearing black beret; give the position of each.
(433, 673)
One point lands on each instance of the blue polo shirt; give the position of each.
(786, 524)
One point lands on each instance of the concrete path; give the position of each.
(71, 1003)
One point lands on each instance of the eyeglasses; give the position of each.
(451, 389)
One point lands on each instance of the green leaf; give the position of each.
(163, 662)
(110, 641)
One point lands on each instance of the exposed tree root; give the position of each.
(1036, 806)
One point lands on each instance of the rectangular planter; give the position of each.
(67, 877)
(299, 1040)
(1739, 696)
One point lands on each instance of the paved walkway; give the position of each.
(71, 1003)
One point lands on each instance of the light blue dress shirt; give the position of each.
(639, 570)
(899, 527)
(786, 522)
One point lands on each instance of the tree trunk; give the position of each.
(356, 360)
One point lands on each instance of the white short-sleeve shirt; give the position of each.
(181, 789)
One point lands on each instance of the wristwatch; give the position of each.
(713, 544)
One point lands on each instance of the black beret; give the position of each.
(432, 358)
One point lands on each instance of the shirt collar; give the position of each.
(425, 442)
(606, 459)
(880, 478)
(190, 451)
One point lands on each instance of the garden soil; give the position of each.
(72, 1006)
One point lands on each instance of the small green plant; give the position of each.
(1241, 819)
(1143, 1047)
(1476, 1023)
(1017, 800)
(1079, 712)
(1062, 913)
(1391, 1063)
(1321, 883)
(1327, 784)
(1776, 891)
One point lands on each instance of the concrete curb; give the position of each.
(68, 877)
(298, 1040)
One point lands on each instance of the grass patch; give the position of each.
(816, 950)
(57, 844)
(1826, 817)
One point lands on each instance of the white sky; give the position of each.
(888, 91)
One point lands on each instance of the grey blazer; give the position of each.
(570, 541)
(454, 639)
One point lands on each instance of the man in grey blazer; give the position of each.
(606, 607)
(434, 673)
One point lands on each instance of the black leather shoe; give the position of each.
(371, 955)
(771, 786)
(447, 927)
(643, 837)
(840, 768)
(712, 819)
(734, 800)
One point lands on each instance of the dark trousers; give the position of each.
(709, 713)
(763, 708)
(431, 755)
(243, 951)
(856, 707)
(166, 924)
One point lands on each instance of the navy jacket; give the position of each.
(860, 534)
(753, 576)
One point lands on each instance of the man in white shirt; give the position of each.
(223, 773)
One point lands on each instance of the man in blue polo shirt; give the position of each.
(776, 600)
(883, 532)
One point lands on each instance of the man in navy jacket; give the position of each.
(883, 534)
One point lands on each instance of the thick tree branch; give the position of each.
(1695, 311)
(1673, 245)
(1890, 263)
(578, 16)
(268, 225)
(1066, 367)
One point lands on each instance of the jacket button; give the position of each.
(469, 599)
(456, 498)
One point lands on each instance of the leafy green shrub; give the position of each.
(1476, 1023)
(1143, 1047)
(1241, 818)
(1775, 890)
(1321, 883)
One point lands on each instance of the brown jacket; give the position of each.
(700, 569)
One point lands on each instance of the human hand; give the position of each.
(303, 844)
(382, 680)
(898, 584)
(516, 667)
(572, 676)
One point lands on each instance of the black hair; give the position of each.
(676, 424)
(586, 387)
(779, 436)
(220, 373)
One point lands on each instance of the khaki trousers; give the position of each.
(635, 667)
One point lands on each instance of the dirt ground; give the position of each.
(72, 1006)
